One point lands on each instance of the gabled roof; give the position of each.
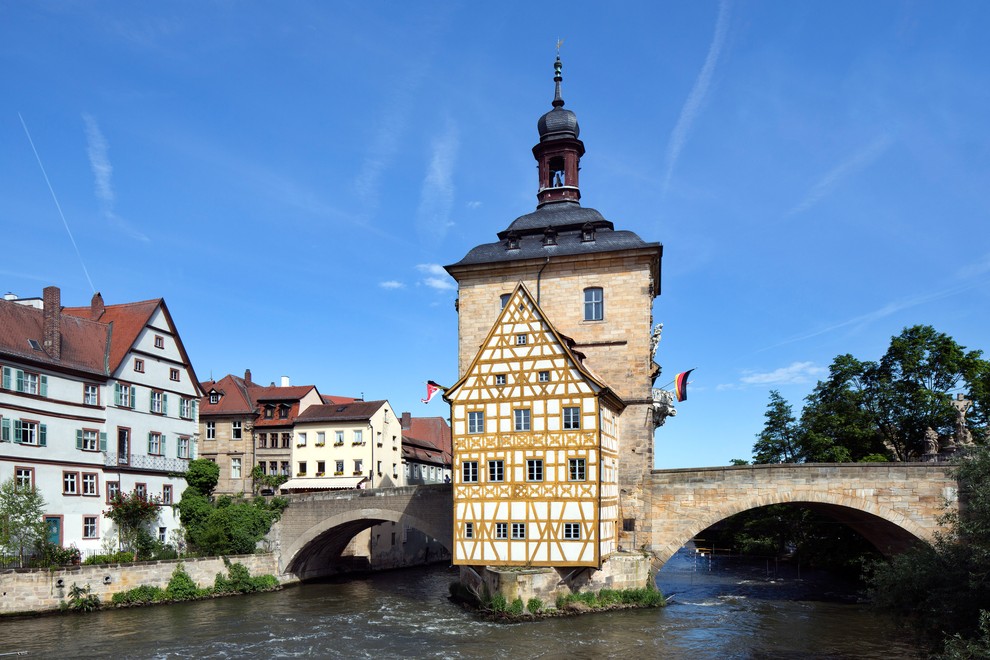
(428, 433)
(83, 347)
(562, 340)
(128, 320)
(341, 412)
(276, 393)
(332, 398)
(234, 399)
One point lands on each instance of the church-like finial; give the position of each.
(558, 101)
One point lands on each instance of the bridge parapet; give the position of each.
(890, 504)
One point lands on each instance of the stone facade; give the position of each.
(39, 590)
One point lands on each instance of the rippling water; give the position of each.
(730, 611)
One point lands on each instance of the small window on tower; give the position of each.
(557, 176)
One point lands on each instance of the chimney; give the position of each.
(285, 381)
(406, 421)
(10, 296)
(96, 307)
(247, 375)
(53, 322)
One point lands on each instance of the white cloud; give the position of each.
(391, 284)
(695, 100)
(795, 373)
(437, 194)
(474, 204)
(843, 170)
(436, 277)
(440, 284)
(975, 269)
(99, 161)
(431, 269)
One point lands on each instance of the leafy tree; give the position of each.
(262, 479)
(22, 525)
(778, 442)
(133, 513)
(203, 475)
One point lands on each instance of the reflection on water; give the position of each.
(730, 611)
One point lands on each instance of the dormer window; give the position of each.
(283, 412)
(214, 397)
(549, 236)
(587, 233)
(512, 241)
(269, 412)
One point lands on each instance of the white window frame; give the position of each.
(522, 420)
(91, 394)
(534, 469)
(518, 531)
(577, 469)
(235, 467)
(211, 430)
(469, 472)
(182, 447)
(594, 304)
(571, 418)
(572, 531)
(89, 483)
(236, 431)
(91, 527)
(496, 470)
(501, 531)
(476, 421)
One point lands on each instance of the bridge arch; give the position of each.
(891, 505)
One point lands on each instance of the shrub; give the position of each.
(81, 600)
(182, 587)
(516, 608)
(534, 605)
(141, 595)
(497, 603)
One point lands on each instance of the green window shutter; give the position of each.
(103, 441)
(151, 402)
(17, 431)
(149, 443)
(165, 404)
(116, 394)
(162, 448)
(20, 381)
(43, 435)
(6, 378)
(44, 386)
(79, 436)
(4, 430)
(133, 397)
(195, 407)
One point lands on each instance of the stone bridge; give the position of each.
(891, 504)
(316, 527)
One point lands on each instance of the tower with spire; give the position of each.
(552, 414)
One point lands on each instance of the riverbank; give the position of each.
(497, 609)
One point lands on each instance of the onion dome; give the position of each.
(558, 123)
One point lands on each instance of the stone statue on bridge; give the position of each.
(931, 442)
(963, 436)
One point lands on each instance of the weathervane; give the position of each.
(560, 42)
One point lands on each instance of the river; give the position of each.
(720, 609)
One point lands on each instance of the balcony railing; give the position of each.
(144, 462)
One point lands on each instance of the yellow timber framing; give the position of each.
(569, 515)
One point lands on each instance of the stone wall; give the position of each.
(39, 590)
(892, 505)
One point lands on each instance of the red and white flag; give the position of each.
(431, 391)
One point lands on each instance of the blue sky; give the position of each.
(289, 177)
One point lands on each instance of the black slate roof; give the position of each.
(559, 215)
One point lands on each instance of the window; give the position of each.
(518, 531)
(520, 340)
(162, 531)
(544, 377)
(572, 418)
(113, 490)
(500, 379)
(27, 383)
(504, 300)
(89, 527)
(321, 438)
(123, 395)
(214, 397)
(576, 469)
(283, 412)
(572, 531)
(358, 466)
(211, 430)
(123, 446)
(263, 467)
(469, 472)
(90, 484)
(358, 437)
(157, 402)
(91, 395)
(185, 408)
(88, 440)
(235, 468)
(594, 305)
(173, 374)
(166, 493)
(286, 440)
(302, 468)
(70, 483)
(156, 444)
(496, 471)
(469, 530)
(501, 530)
(534, 469)
(302, 440)
(29, 433)
(339, 468)
(338, 438)
(24, 477)
(139, 365)
(269, 412)
(521, 419)
(321, 468)
(235, 430)
(159, 341)
(378, 467)
(284, 467)
(273, 468)
(262, 441)
(476, 422)
(182, 447)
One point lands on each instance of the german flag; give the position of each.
(681, 383)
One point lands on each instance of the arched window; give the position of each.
(594, 304)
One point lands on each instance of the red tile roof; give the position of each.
(83, 344)
(341, 412)
(276, 393)
(235, 399)
(331, 398)
(428, 431)
(126, 321)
